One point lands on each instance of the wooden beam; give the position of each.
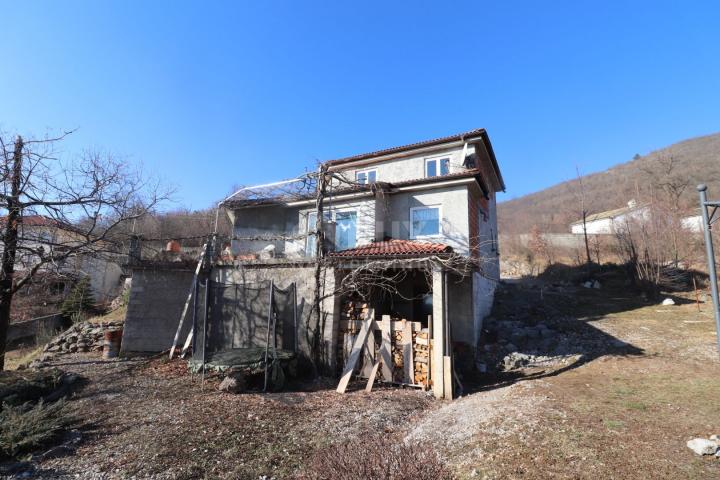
(356, 351)
(371, 378)
(438, 335)
(448, 377)
(386, 348)
(369, 357)
(408, 364)
(187, 301)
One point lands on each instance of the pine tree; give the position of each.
(79, 301)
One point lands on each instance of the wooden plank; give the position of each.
(408, 364)
(397, 326)
(448, 377)
(371, 378)
(368, 355)
(386, 348)
(356, 351)
(187, 301)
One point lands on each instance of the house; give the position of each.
(611, 221)
(409, 239)
(40, 233)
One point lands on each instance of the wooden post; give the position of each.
(189, 297)
(438, 333)
(407, 351)
(386, 348)
(448, 377)
(428, 380)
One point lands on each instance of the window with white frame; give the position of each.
(435, 167)
(366, 176)
(345, 230)
(425, 221)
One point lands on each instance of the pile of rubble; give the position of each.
(81, 337)
(514, 344)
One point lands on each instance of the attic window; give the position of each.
(437, 167)
(364, 177)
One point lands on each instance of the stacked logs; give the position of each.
(350, 311)
(421, 356)
(398, 371)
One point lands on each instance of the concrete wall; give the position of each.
(104, 277)
(156, 301)
(412, 167)
(270, 220)
(453, 202)
(309, 331)
(29, 329)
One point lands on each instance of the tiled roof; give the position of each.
(394, 247)
(412, 146)
(34, 221)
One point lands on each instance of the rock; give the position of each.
(703, 446)
(596, 284)
(588, 284)
(668, 301)
(233, 383)
(715, 438)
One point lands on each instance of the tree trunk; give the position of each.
(7, 265)
(587, 245)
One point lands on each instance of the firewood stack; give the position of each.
(351, 310)
(421, 355)
(397, 356)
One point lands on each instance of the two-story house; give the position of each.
(429, 199)
(408, 241)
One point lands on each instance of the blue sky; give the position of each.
(212, 94)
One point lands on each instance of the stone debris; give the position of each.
(81, 337)
(703, 446)
(233, 383)
(668, 301)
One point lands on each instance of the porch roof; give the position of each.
(394, 247)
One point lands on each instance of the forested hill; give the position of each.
(680, 166)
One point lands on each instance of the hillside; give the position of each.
(690, 162)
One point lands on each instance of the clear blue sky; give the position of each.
(211, 94)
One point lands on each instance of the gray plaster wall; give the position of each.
(265, 221)
(453, 202)
(156, 301)
(310, 332)
(412, 167)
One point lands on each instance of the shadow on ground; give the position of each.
(542, 326)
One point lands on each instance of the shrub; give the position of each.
(377, 457)
(24, 428)
(79, 301)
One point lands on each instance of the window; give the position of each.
(345, 230)
(310, 242)
(424, 221)
(366, 176)
(433, 164)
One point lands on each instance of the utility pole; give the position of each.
(708, 219)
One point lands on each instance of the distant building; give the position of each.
(611, 221)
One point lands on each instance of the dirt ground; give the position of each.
(646, 378)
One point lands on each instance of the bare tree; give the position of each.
(578, 191)
(84, 201)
